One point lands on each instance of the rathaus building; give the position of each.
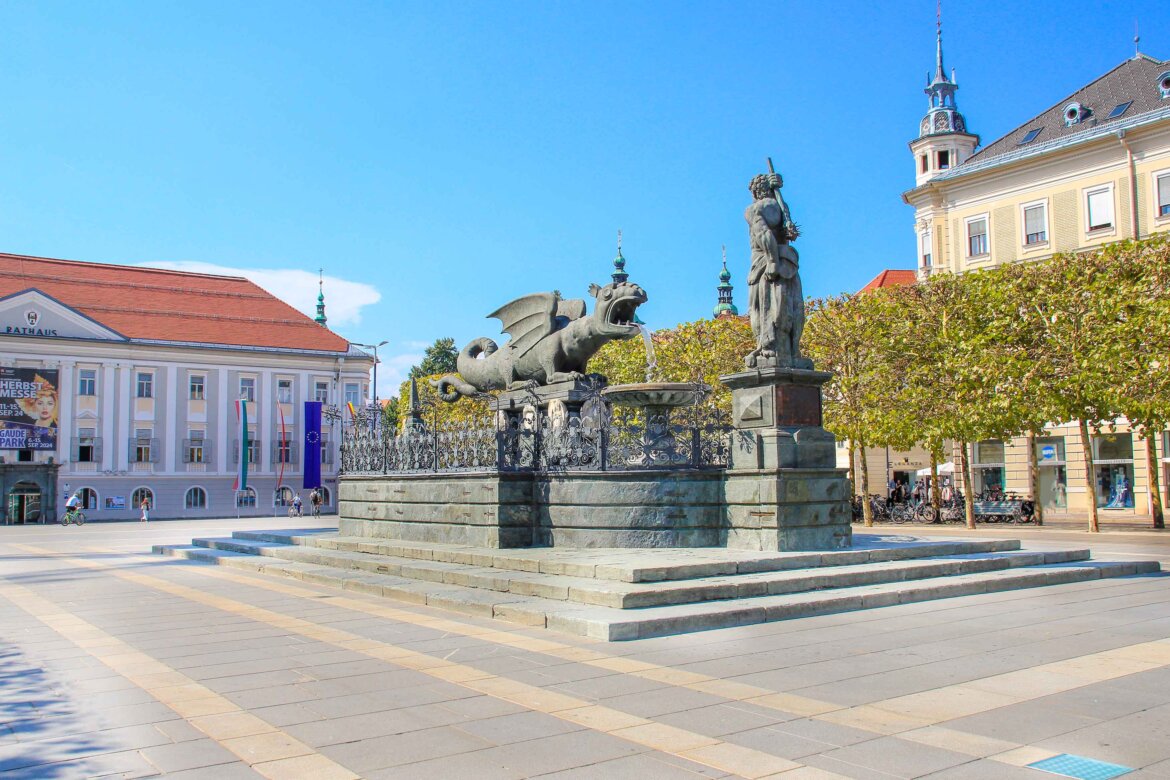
(119, 383)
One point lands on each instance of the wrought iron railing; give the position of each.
(598, 440)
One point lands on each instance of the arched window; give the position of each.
(89, 498)
(139, 494)
(246, 497)
(326, 499)
(282, 496)
(196, 498)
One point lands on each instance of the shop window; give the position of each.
(977, 237)
(196, 498)
(282, 496)
(89, 498)
(246, 497)
(145, 386)
(142, 494)
(1052, 490)
(87, 381)
(196, 387)
(1113, 470)
(988, 466)
(326, 499)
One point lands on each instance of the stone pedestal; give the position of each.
(783, 488)
(559, 402)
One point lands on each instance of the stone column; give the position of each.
(783, 489)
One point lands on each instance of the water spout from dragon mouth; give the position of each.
(651, 360)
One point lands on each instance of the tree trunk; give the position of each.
(866, 509)
(1034, 479)
(968, 497)
(935, 490)
(1154, 481)
(852, 468)
(1090, 479)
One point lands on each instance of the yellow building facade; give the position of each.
(1091, 169)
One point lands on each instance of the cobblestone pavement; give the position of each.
(114, 662)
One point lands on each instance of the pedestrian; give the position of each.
(145, 510)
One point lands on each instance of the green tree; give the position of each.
(390, 414)
(439, 358)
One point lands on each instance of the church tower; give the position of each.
(725, 307)
(321, 319)
(943, 141)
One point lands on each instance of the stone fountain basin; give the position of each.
(656, 394)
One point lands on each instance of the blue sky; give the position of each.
(439, 159)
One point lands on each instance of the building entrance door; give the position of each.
(24, 503)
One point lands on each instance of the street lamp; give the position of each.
(377, 408)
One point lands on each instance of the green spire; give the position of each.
(725, 306)
(619, 264)
(321, 319)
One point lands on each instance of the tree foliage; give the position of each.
(438, 358)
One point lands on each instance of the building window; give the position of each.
(145, 384)
(196, 498)
(977, 236)
(195, 448)
(923, 163)
(248, 388)
(284, 391)
(1113, 467)
(87, 381)
(196, 386)
(284, 451)
(927, 245)
(1053, 477)
(1035, 224)
(989, 465)
(253, 450)
(142, 494)
(142, 446)
(1163, 188)
(326, 453)
(1099, 208)
(87, 447)
(321, 392)
(89, 498)
(246, 497)
(282, 496)
(353, 393)
(944, 160)
(326, 499)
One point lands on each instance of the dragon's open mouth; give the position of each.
(622, 312)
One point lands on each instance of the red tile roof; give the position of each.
(159, 305)
(891, 277)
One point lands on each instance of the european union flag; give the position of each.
(312, 445)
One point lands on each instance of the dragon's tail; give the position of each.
(472, 376)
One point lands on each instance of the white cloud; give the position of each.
(392, 371)
(344, 300)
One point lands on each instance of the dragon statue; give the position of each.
(552, 340)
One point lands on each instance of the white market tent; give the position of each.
(943, 468)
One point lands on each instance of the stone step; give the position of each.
(642, 565)
(613, 624)
(623, 595)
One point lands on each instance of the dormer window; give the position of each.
(1030, 136)
(1119, 109)
(1164, 84)
(1074, 114)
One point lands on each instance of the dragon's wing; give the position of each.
(528, 320)
(573, 309)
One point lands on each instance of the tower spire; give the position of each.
(725, 307)
(321, 319)
(939, 72)
(619, 263)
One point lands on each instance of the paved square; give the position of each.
(120, 663)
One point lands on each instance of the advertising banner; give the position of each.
(28, 409)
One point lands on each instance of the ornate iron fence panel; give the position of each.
(600, 439)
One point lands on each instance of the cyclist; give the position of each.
(315, 500)
(297, 505)
(72, 507)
